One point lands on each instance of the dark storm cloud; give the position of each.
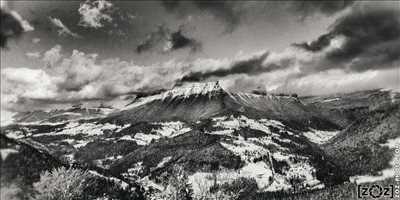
(371, 40)
(326, 7)
(251, 66)
(223, 10)
(317, 45)
(177, 41)
(152, 39)
(233, 12)
(138, 95)
(168, 40)
(10, 27)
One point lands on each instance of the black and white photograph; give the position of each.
(200, 100)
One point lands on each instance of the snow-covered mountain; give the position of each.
(278, 141)
(202, 101)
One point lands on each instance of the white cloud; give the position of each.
(6, 117)
(325, 82)
(33, 54)
(79, 70)
(82, 76)
(62, 29)
(24, 23)
(52, 56)
(93, 13)
(3, 4)
(26, 83)
(35, 40)
(333, 81)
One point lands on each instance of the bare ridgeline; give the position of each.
(202, 142)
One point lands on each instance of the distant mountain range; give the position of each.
(61, 115)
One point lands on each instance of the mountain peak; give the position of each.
(196, 89)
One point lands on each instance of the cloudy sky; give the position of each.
(100, 49)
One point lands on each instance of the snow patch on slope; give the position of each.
(145, 139)
(171, 129)
(318, 136)
(260, 171)
(330, 100)
(168, 129)
(164, 161)
(89, 129)
(236, 123)
(247, 150)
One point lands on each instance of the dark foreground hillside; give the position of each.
(360, 148)
(28, 171)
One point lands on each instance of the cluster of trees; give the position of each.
(76, 184)
(69, 184)
(177, 187)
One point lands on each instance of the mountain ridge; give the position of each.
(210, 99)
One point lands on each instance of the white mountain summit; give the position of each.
(196, 89)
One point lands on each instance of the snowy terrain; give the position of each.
(318, 136)
(252, 149)
(393, 144)
(243, 135)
